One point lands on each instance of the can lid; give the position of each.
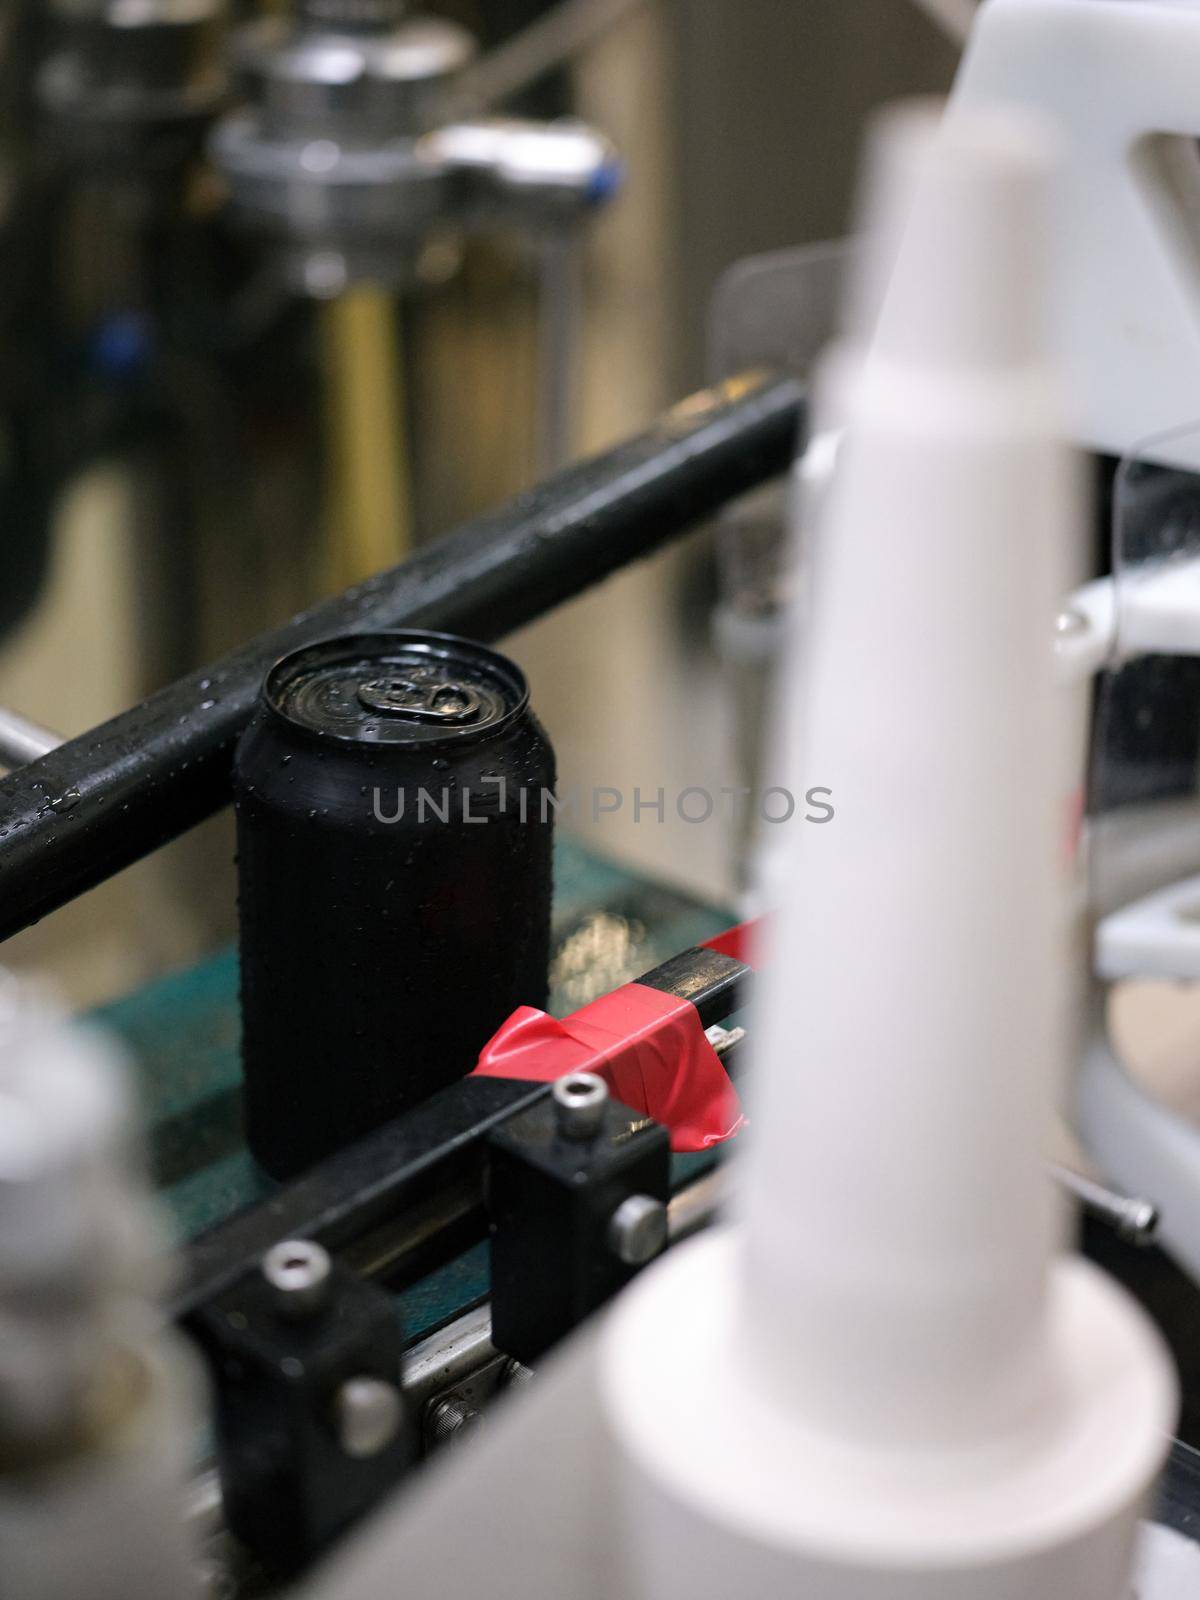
(404, 687)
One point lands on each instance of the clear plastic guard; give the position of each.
(1144, 846)
(776, 310)
(1145, 770)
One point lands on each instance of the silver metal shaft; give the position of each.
(22, 740)
(1133, 1218)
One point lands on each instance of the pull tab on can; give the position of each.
(421, 698)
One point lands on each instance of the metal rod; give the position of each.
(1133, 1218)
(697, 1206)
(104, 800)
(22, 740)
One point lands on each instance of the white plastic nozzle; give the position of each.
(896, 144)
(967, 293)
(892, 1386)
(899, 1228)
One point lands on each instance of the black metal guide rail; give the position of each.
(103, 800)
(410, 1196)
(482, 1158)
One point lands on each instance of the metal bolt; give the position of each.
(368, 1412)
(1140, 1223)
(1132, 1217)
(723, 1040)
(451, 1418)
(515, 1373)
(580, 1101)
(298, 1271)
(637, 1230)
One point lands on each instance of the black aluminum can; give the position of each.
(394, 872)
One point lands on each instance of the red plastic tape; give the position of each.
(745, 942)
(648, 1047)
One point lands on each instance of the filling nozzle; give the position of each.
(910, 1392)
(898, 1224)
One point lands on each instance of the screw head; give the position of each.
(580, 1101)
(368, 1413)
(298, 1272)
(452, 1418)
(637, 1230)
(1139, 1223)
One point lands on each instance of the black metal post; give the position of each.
(103, 800)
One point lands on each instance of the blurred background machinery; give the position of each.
(284, 288)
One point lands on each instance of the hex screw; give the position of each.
(298, 1273)
(580, 1101)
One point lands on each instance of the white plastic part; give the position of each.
(886, 189)
(1168, 1566)
(1140, 1144)
(1158, 608)
(107, 1523)
(1156, 937)
(892, 1387)
(1133, 1137)
(524, 1512)
(1119, 80)
(1085, 638)
(1149, 925)
(1141, 847)
(537, 1490)
(1154, 610)
(724, 1489)
(96, 1413)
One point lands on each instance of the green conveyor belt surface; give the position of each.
(182, 1034)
